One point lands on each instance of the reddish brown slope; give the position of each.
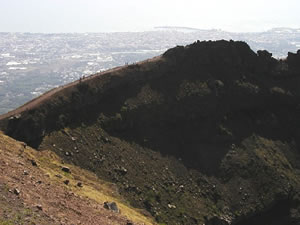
(34, 194)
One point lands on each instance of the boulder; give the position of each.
(33, 162)
(112, 206)
(66, 169)
(39, 207)
(16, 191)
(66, 182)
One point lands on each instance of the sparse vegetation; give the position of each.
(49, 165)
(200, 134)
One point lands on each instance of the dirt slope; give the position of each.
(35, 193)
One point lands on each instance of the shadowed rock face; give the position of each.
(211, 129)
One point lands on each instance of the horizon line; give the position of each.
(156, 28)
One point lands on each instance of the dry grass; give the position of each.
(93, 188)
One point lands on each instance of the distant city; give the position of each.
(31, 64)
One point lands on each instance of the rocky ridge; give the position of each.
(206, 133)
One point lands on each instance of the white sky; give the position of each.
(50, 16)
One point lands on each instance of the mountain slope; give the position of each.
(204, 133)
(33, 191)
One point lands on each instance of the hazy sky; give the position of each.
(136, 15)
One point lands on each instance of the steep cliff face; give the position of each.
(204, 133)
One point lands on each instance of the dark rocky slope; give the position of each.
(205, 133)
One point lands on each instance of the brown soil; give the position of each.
(42, 200)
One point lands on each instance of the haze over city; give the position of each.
(56, 16)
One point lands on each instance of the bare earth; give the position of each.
(29, 196)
